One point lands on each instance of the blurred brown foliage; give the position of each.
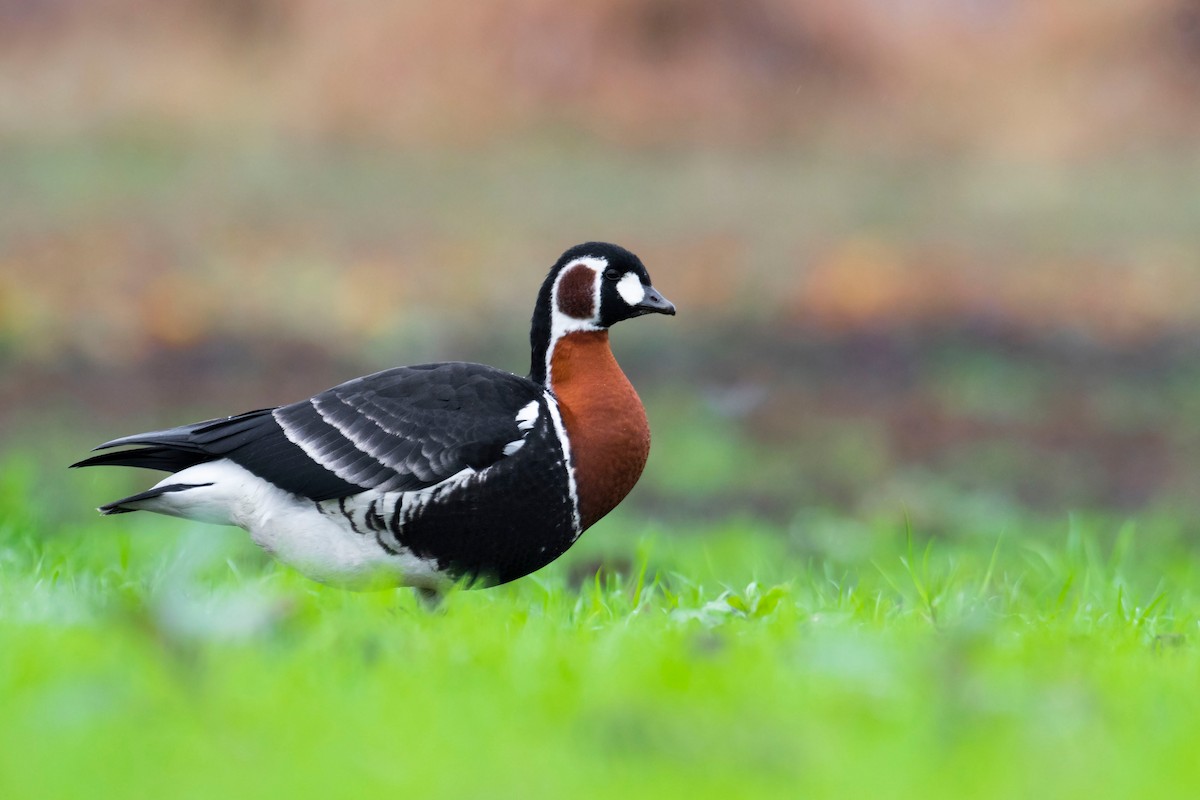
(150, 193)
(866, 283)
(933, 244)
(1008, 76)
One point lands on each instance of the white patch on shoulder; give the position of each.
(630, 288)
(527, 416)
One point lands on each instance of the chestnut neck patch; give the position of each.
(576, 292)
(604, 421)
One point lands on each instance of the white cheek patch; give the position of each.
(630, 289)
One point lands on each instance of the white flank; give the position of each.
(630, 288)
(561, 431)
(319, 543)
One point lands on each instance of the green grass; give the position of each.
(146, 657)
(733, 645)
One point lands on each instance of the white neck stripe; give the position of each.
(572, 489)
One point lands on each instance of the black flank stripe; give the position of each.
(378, 523)
(349, 517)
(385, 545)
(395, 521)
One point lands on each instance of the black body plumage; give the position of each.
(396, 431)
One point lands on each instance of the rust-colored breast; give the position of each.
(604, 418)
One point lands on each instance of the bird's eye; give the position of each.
(611, 274)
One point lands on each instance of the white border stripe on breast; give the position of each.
(561, 432)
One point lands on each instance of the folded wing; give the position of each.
(398, 430)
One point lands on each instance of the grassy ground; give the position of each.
(835, 657)
(764, 620)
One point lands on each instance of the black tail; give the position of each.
(117, 506)
(182, 447)
(158, 457)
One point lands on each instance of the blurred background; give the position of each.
(931, 258)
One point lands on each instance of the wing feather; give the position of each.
(398, 430)
(410, 427)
